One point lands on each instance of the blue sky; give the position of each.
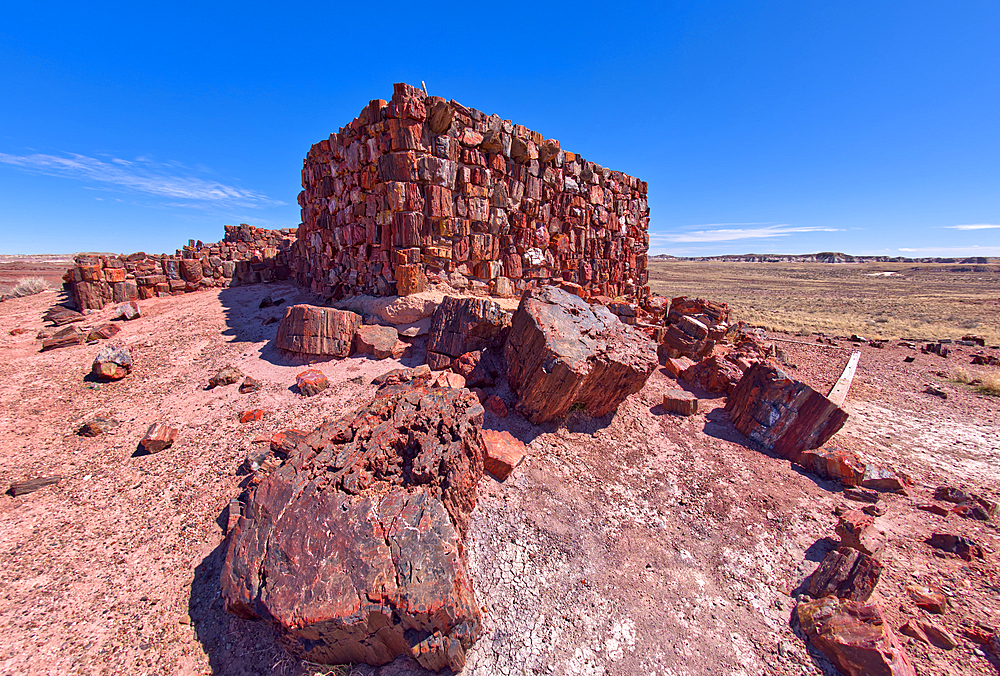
(792, 127)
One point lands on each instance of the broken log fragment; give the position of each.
(32, 485)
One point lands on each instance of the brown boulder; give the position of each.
(227, 375)
(957, 544)
(713, 374)
(352, 547)
(782, 414)
(680, 401)
(688, 337)
(378, 341)
(854, 636)
(128, 311)
(158, 437)
(503, 452)
(496, 406)
(191, 270)
(846, 573)
(835, 464)
(249, 385)
(311, 382)
(931, 600)
(421, 374)
(561, 351)
(461, 325)
(97, 426)
(709, 313)
(112, 363)
(857, 531)
(307, 329)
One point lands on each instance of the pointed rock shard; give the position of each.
(782, 414)
(561, 351)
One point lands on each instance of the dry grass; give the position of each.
(986, 383)
(29, 286)
(925, 301)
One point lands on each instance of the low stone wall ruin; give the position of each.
(246, 255)
(420, 186)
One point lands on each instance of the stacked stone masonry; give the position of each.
(247, 255)
(423, 185)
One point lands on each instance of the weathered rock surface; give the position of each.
(781, 413)
(965, 547)
(854, 636)
(308, 329)
(227, 375)
(311, 382)
(392, 310)
(352, 547)
(680, 401)
(846, 573)
(504, 452)
(112, 363)
(561, 351)
(378, 341)
(158, 437)
(461, 325)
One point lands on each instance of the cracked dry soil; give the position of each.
(638, 543)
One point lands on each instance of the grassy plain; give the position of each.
(921, 300)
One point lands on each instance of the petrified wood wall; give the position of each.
(423, 185)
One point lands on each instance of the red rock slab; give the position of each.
(676, 365)
(448, 379)
(308, 329)
(680, 401)
(835, 464)
(857, 531)
(782, 414)
(285, 441)
(713, 374)
(311, 382)
(252, 415)
(71, 335)
(562, 351)
(854, 636)
(103, 332)
(503, 453)
(158, 437)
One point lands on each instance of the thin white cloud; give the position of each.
(959, 251)
(727, 234)
(973, 226)
(142, 175)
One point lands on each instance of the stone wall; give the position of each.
(245, 256)
(419, 186)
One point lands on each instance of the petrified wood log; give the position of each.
(461, 325)
(308, 329)
(561, 351)
(846, 573)
(353, 546)
(781, 413)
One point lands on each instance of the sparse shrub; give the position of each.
(961, 375)
(29, 286)
(990, 384)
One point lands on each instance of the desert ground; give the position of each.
(879, 300)
(636, 543)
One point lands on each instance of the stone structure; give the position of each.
(422, 185)
(247, 255)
